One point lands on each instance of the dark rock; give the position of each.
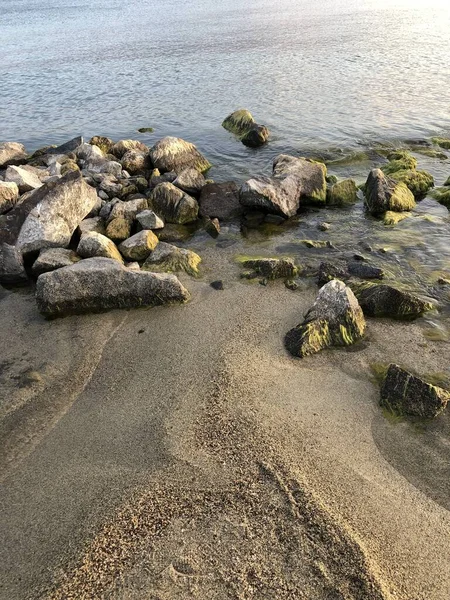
(243, 125)
(220, 200)
(407, 394)
(383, 194)
(175, 154)
(50, 259)
(272, 268)
(65, 148)
(12, 271)
(149, 220)
(217, 285)
(386, 301)
(364, 271)
(173, 233)
(256, 136)
(212, 226)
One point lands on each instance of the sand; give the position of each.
(196, 459)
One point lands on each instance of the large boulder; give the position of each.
(382, 300)
(220, 201)
(11, 266)
(95, 244)
(139, 245)
(244, 126)
(168, 258)
(24, 179)
(60, 208)
(404, 393)
(173, 205)
(190, 181)
(50, 259)
(384, 193)
(9, 195)
(175, 154)
(97, 284)
(135, 162)
(335, 319)
(12, 153)
(311, 176)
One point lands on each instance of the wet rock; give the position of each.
(24, 179)
(272, 268)
(342, 193)
(97, 284)
(123, 146)
(12, 271)
(418, 182)
(139, 246)
(399, 160)
(323, 226)
(243, 125)
(175, 154)
(9, 195)
(149, 220)
(102, 142)
(279, 196)
(386, 301)
(406, 394)
(60, 209)
(93, 244)
(96, 224)
(442, 142)
(329, 271)
(168, 258)
(50, 259)
(212, 226)
(173, 205)
(118, 229)
(12, 153)
(190, 181)
(273, 219)
(317, 243)
(135, 162)
(391, 218)
(447, 183)
(442, 195)
(220, 200)
(335, 319)
(364, 270)
(383, 193)
(257, 136)
(217, 285)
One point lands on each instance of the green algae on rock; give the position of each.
(272, 268)
(242, 124)
(168, 258)
(400, 160)
(418, 182)
(442, 195)
(442, 142)
(335, 319)
(342, 193)
(102, 142)
(391, 218)
(384, 193)
(146, 130)
(381, 300)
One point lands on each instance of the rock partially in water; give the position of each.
(447, 183)
(344, 271)
(442, 142)
(381, 300)
(405, 394)
(391, 218)
(384, 193)
(403, 167)
(95, 244)
(342, 193)
(59, 209)
(97, 284)
(168, 258)
(257, 136)
(175, 154)
(272, 268)
(442, 195)
(139, 245)
(335, 319)
(190, 181)
(244, 126)
(173, 205)
(212, 226)
(65, 148)
(23, 178)
(12, 271)
(399, 160)
(50, 259)
(12, 153)
(149, 220)
(9, 195)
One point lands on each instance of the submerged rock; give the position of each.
(342, 193)
(9, 195)
(175, 154)
(386, 301)
(404, 393)
(383, 193)
(173, 205)
(391, 218)
(97, 284)
(442, 142)
(335, 319)
(442, 195)
(12, 153)
(169, 258)
(272, 268)
(95, 244)
(139, 245)
(243, 125)
(50, 259)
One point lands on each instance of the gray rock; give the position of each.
(344, 271)
(139, 245)
(335, 319)
(149, 220)
(96, 224)
(67, 147)
(168, 258)
(123, 146)
(386, 301)
(50, 259)
(25, 180)
(61, 208)
(9, 195)
(40, 172)
(87, 152)
(175, 154)
(220, 200)
(311, 177)
(129, 209)
(95, 244)
(11, 266)
(135, 161)
(383, 193)
(97, 284)
(190, 181)
(12, 153)
(173, 205)
(403, 393)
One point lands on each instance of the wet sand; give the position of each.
(196, 459)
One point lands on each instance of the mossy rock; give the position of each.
(342, 193)
(431, 153)
(442, 195)
(399, 161)
(170, 259)
(239, 122)
(442, 142)
(419, 182)
(68, 166)
(391, 218)
(381, 300)
(102, 142)
(331, 179)
(272, 268)
(146, 130)
(447, 183)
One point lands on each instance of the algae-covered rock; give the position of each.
(257, 136)
(418, 182)
(335, 319)
(442, 142)
(173, 205)
(399, 161)
(50, 259)
(95, 244)
(123, 146)
(102, 142)
(384, 193)
(168, 258)
(271, 268)
(447, 183)
(129, 209)
(175, 154)
(342, 193)
(386, 301)
(391, 218)
(139, 245)
(405, 394)
(97, 284)
(243, 125)
(442, 195)
(118, 229)
(172, 232)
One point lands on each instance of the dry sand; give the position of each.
(196, 459)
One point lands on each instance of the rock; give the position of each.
(272, 268)
(68, 166)
(12, 271)
(220, 200)
(311, 176)
(97, 284)
(344, 271)
(418, 182)
(104, 143)
(243, 125)
(439, 141)
(129, 209)
(291, 285)
(364, 270)
(149, 220)
(169, 258)
(174, 233)
(399, 161)
(95, 244)
(118, 229)
(257, 136)
(391, 218)
(12, 153)
(173, 205)
(123, 146)
(383, 193)
(9, 195)
(139, 246)
(342, 193)
(447, 183)
(89, 152)
(387, 301)
(335, 319)
(317, 243)
(273, 219)
(40, 172)
(217, 285)
(442, 195)
(324, 226)
(96, 224)
(60, 209)
(67, 147)
(279, 196)
(145, 129)
(135, 161)
(190, 181)
(175, 154)
(50, 259)
(406, 394)
(25, 180)
(212, 226)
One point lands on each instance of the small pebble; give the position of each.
(141, 330)
(324, 226)
(291, 284)
(217, 285)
